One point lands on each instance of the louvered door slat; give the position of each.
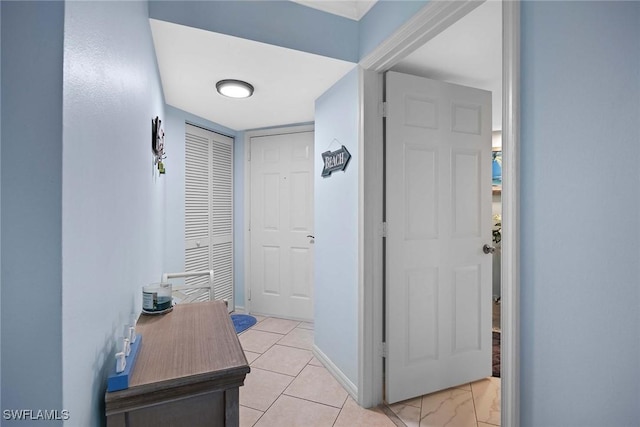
(222, 191)
(209, 211)
(223, 268)
(197, 183)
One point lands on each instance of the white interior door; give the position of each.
(281, 221)
(438, 213)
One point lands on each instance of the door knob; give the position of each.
(488, 249)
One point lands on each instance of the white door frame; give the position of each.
(434, 18)
(247, 196)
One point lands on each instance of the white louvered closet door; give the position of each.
(209, 209)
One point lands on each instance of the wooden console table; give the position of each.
(187, 373)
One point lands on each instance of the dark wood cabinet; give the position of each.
(187, 373)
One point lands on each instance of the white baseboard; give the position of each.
(336, 372)
(239, 309)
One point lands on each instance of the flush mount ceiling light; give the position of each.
(234, 88)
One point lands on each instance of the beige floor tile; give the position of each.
(251, 356)
(315, 362)
(300, 338)
(464, 386)
(416, 401)
(352, 415)
(481, 424)
(248, 416)
(289, 411)
(284, 360)
(408, 412)
(452, 407)
(318, 385)
(261, 388)
(486, 397)
(259, 318)
(258, 341)
(306, 325)
(278, 326)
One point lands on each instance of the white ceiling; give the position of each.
(287, 82)
(467, 53)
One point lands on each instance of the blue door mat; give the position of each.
(242, 322)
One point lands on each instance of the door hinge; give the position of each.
(384, 229)
(384, 109)
(384, 350)
(249, 294)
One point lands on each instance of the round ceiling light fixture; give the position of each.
(234, 88)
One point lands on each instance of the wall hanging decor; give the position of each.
(335, 160)
(157, 144)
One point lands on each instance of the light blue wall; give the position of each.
(112, 197)
(280, 23)
(174, 128)
(0, 204)
(291, 25)
(580, 201)
(336, 228)
(31, 145)
(284, 24)
(385, 17)
(238, 220)
(580, 208)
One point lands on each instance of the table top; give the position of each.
(194, 343)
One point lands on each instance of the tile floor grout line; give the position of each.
(385, 409)
(280, 373)
(261, 415)
(312, 401)
(333, 424)
(417, 407)
(293, 346)
(265, 411)
(269, 348)
(300, 398)
(473, 400)
(393, 416)
(340, 411)
(283, 392)
(276, 399)
(276, 372)
(280, 394)
(248, 407)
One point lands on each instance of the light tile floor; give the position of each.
(289, 387)
(473, 405)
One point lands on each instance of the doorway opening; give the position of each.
(438, 211)
(279, 244)
(429, 22)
